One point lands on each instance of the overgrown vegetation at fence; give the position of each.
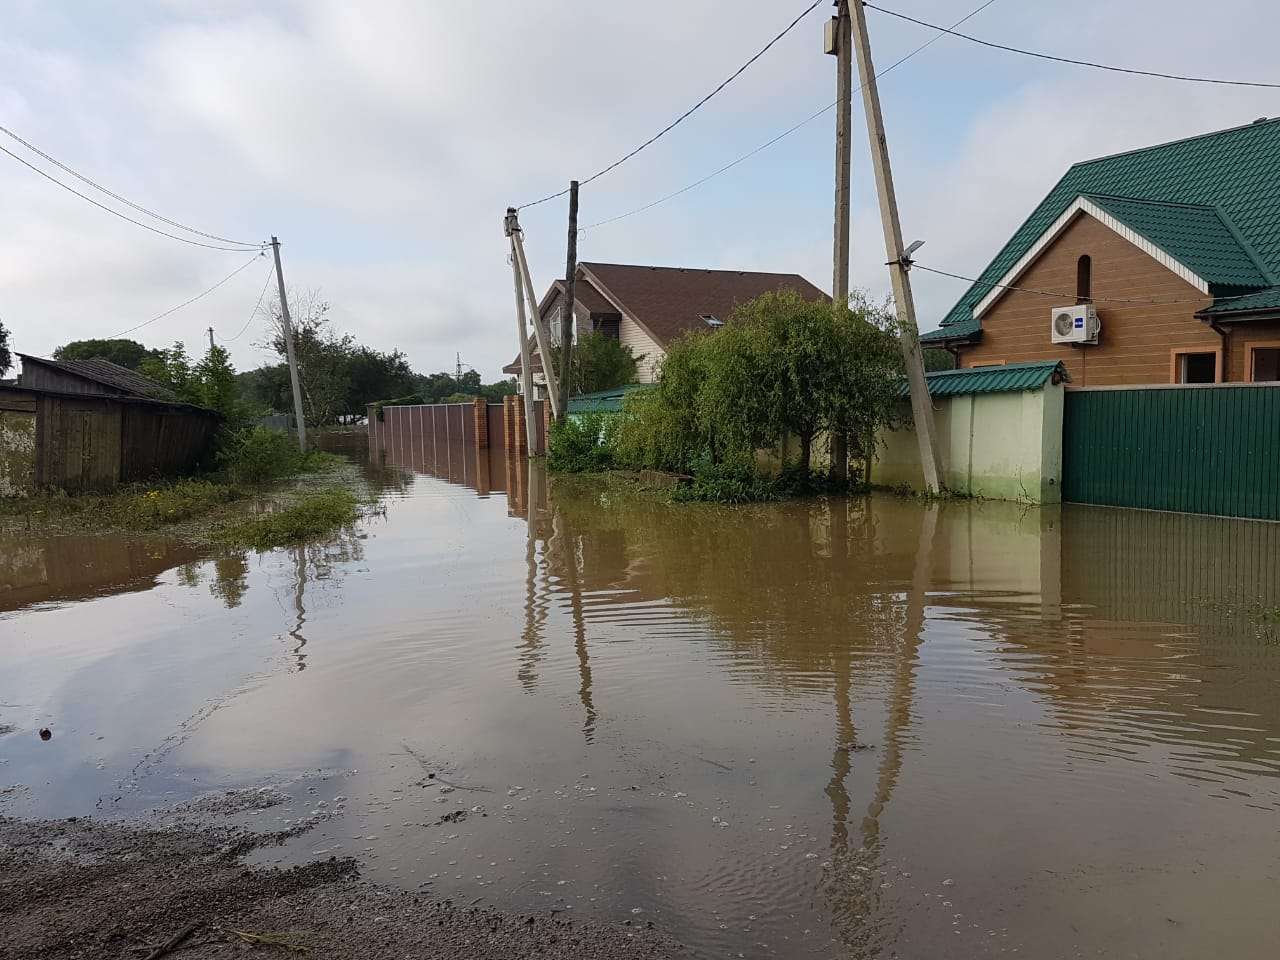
(781, 368)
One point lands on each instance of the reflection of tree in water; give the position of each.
(230, 578)
(189, 574)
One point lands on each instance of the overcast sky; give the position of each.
(382, 140)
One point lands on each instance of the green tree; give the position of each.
(172, 369)
(213, 381)
(6, 358)
(601, 362)
(126, 353)
(936, 358)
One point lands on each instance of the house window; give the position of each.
(1264, 363)
(1084, 279)
(1196, 366)
(712, 321)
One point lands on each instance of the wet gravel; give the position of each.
(84, 888)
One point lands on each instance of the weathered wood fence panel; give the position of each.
(1191, 449)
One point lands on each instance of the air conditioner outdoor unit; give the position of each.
(1075, 324)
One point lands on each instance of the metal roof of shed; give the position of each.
(1006, 378)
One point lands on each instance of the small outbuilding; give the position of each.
(998, 432)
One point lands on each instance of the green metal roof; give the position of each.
(1268, 299)
(1233, 170)
(604, 401)
(1006, 378)
(1196, 235)
(959, 330)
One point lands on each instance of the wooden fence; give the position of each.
(80, 442)
(1212, 449)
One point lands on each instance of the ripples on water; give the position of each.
(857, 728)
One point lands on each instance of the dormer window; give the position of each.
(712, 321)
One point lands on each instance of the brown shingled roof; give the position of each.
(670, 301)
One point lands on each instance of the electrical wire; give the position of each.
(786, 133)
(271, 272)
(115, 196)
(1079, 63)
(1070, 297)
(684, 116)
(187, 303)
(139, 223)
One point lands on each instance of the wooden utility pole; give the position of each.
(540, 332)
(512, 225)
(899, 262)
(286, 324)
(839, 43)
(567, 314)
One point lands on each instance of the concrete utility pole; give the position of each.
(287, 324)
(540, 332)
(839, 42)
(899, 261)
(511, 225)
(211, 338)
(567, 315)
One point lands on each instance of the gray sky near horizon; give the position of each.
(382, 142)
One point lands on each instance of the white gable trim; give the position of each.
(1084, 205)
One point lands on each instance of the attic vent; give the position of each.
(711, 321)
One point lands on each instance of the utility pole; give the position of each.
(287, 324)
(511, 226)
(540, 332)
(839, 42)
(457, 368)
(899, 260)
(211, 338)
(567, 314)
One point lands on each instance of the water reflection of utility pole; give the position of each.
(299, 611)
(566, 549)
(535, 608)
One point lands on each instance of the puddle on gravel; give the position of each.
(854, 728)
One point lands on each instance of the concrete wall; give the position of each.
(1000, 446)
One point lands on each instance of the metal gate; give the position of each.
(1211, 449)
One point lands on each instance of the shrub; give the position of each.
(581, 444)
(257, 454)
(174, 503)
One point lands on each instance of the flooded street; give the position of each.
(857, 728)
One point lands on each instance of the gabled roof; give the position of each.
(108, 374)
(1005, 378)
(1233, 171)
(668, 301)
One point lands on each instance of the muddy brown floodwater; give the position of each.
(855, 728)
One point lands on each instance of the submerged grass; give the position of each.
(312, 516)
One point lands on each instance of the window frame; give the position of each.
(1175, 353)
(1250, 363)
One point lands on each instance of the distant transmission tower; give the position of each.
(457, 370)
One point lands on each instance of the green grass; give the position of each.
(313, 515)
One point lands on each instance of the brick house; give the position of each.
(1176, 247)
(649, 307)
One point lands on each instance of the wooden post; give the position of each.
(838, 447)
(567, 314)
(287, 324)
(512, 226)
(899, 264)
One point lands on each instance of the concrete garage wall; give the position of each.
(1000, 446)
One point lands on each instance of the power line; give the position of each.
(786, 133)
(115, 196)
(122, 216)
(1079, 63)
(186, 303)
(1070, 297)
(271, 272)
(684, 116)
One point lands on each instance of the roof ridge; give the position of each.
(1260, 122)
(652, 266)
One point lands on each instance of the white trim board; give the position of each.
(1085, 205)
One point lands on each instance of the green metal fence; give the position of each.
(1203, 449)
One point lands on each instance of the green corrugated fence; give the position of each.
(1194, 449)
